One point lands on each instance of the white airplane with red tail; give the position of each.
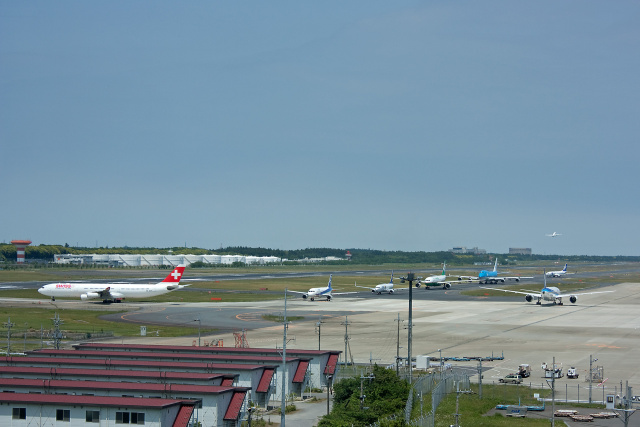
(114, 292)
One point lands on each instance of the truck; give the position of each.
(511, 378)
(572, 372)
(524, 370)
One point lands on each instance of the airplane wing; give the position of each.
(365, 287)
(296, 292)
(516, 278)
(343, 293)
(535, 294)
(582, 293)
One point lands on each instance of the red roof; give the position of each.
(63, 361)
(106, 385)
(233, 411)
(56, 399)
(195, 349)
(154, 355)
(183, 417)
(263, 385)
(330, 369)
(301, 371)
(54, 372)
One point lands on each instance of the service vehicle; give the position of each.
(524, 370)
(572, 372)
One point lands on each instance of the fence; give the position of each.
(439, 385)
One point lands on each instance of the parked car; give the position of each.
(511, 378)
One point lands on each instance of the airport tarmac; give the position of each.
(604, 326)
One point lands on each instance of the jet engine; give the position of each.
(89, 295)
(304, 296)
(529, 298)
(328, 297)
(447, 286)
(573, 299)
(390, 291)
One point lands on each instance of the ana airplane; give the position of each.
(487, 277)
(383, 287)
(325, 292)
(549, 294)
(114, 292)
(554, 234)
(437, 280)
(558, 273)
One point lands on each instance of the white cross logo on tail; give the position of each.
(175, 274)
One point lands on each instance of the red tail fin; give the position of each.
(175, 275)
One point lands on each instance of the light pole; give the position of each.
(329, 377)
(410, 278)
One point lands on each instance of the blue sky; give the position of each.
(366, 124)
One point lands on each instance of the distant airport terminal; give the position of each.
(132, 260)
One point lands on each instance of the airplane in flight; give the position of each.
(554, 234)
(114, 292)
(437, 280)
(486, 277)
(383, 287)
(558, 273)
(325, 292)
(549, 294)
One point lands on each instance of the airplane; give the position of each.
(554, 234)
(549, 294)
(114, 292)
(487, 277)
(383, 287)
(324, 292)
(558, 273)
(437, 280)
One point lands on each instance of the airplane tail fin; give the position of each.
(174, 277)
(495, 266)
(330, 276)
(444, 268)
(391, 281)
(565, 267)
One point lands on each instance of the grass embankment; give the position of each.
(473, 410)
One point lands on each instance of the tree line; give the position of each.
(358, 256)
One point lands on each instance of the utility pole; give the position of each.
(57, 335)
(362, 396)
(480, 378)
(284, 363)
(628, 410)
(8, 324)
(591, 360)
(346, 337)
(318, 325)
(553, 393)
(458, 393)
(199, 325)
(398, 346)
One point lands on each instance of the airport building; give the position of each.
(130, 260)
(519, 251)
(160, 386)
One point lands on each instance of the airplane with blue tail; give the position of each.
(549, 294)
(490, 276)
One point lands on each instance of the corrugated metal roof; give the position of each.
(330, 369)
(263, 385)
(125, 386)
(233, 411)
(52, 372)
(122, 363)
(301, 371)
(227, 382)
(183, 417)
(126, 402)
(194, 349)
(154, 355)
